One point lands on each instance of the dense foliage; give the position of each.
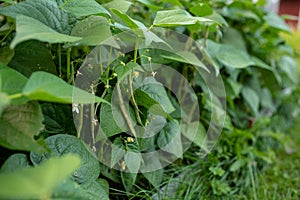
(70, 97)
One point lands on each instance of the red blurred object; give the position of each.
(290, 7)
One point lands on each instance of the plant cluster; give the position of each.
(76, 76)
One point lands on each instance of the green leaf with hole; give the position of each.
(37, 182)
(19, 124)
(82, 8)
(177, 18)
(28, 28)
(48, 87)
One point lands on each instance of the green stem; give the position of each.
(136, 108)
(252, 180)
(206, 36)
(15, 96)
(101, 66)
(64, 4)
(7, 34)
(68, 64)
(136, 48)
(125, 113)
(80, 120)
(102, 96)
(59, 59)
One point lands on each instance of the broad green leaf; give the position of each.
(82, 8)
(201, 10)
(128, 180)
(251, 98)
(6, 54)
(235, 86)
(19, 124)
(29, 28)
(57, 119)
(4, 101)
(266, 99)
(69, 189)
(237, 165)
(275, 21)
(174, 2)
(155, 125)
(133, 161)
(260, 63)
(124, 71)
(11, 81)
(138, 28)
(47, 87)
(113, 123)
(234, 38)
(108, 121)
(150, 4)
(94, 31)
(144, 99)
(186, 57)
(31, 56)
(195, 132)
(46, 12)
(95, 190)
(169, 138)
(154, 177)
(37, 182)
(176, 18)
(62, 144)
(9, 1)
(157, 92)
(232, 57)
(120, 5)
(117, 153)
(218, 171)
(131, 23)
(14, 163)
(289, 67)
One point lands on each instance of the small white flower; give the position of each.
(75, 108)
(78, 73)
(153, 73)
(95, 122)
(94, 149)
